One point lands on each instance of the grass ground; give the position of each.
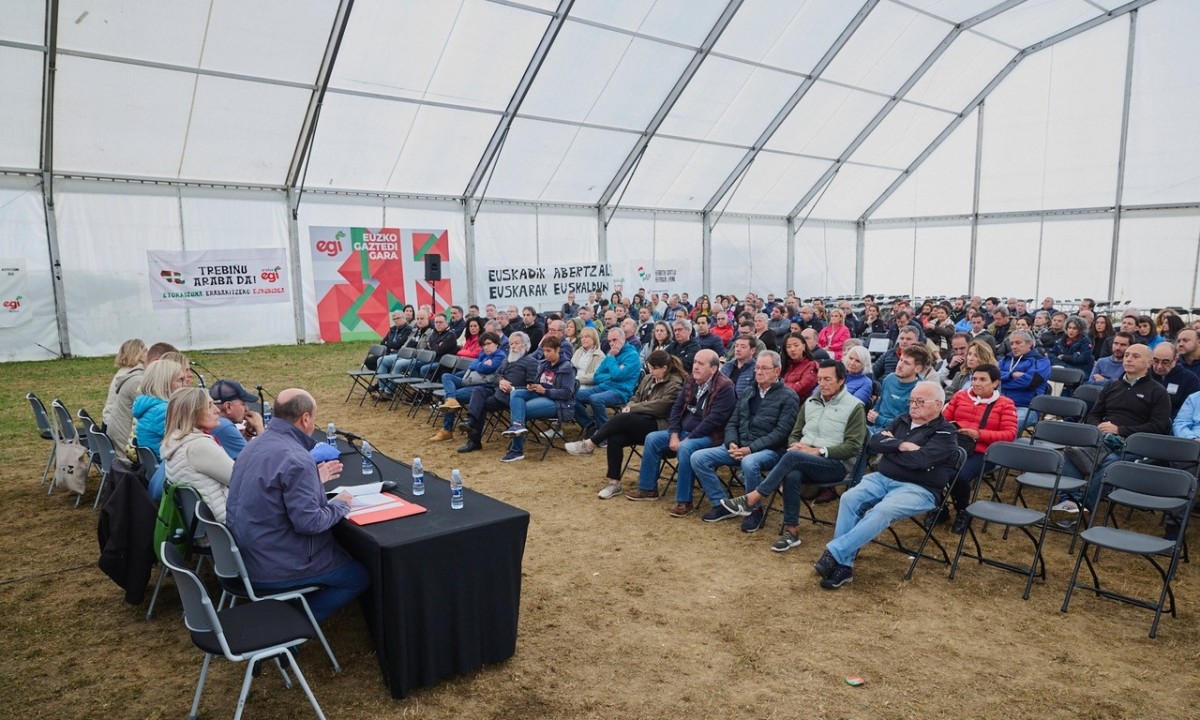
(625, 613)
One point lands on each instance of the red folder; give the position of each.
(391, 511)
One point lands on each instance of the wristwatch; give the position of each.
(824, 452)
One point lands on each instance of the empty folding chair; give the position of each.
(249, 633)
(1067, 408)
(235, 581)
(1141, 487)
(1022, 458)
(102, 448)
(1069, 377)
(45, 430)
(1058, 435)
(1089, 394)
(420, 392)
(414, 375)
(364, 376)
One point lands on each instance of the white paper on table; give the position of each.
(356, 490)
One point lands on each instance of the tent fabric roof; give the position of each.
(770, 107)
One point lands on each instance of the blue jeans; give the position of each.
(657, 443)
(524, 405)
(1093, 486)
(793, 470)
(591, 405)
(705, 463)
(451, 383)
(869, 507)
(338, 587)
(1025, 418)
(463, 396)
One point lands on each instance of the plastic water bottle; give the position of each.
(331, 434)
(456, 489)
(266, 412)
(418, 471)
(368, 466)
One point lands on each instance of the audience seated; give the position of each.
(897, 386)
(705, 339)
(587, 356)
(859, 383)
(799, 366)
(835, 334)
(683, 346)
(754, 436)
(117, 415)
(550, 394)
(162, 377)
(238, 424)
(983, 416)
(1109, 368)
(192, 456)
(483, 372)
(646, 412)
(697, 421)
(1074, 348)
(824, 446)
(615, 381)
(1179, 383)
(1189, 350)
(1024, 374)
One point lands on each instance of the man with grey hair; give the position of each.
(755, 435)
(763, 331)
(683, 346)
(918, 454)
(1178, 382)
(1024, 374)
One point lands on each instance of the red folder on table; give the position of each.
(395, 508)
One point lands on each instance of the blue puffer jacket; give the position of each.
(620, 372)
(151, 416)
(1035, 372)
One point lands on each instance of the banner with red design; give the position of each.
(362, 274)
(212, 278)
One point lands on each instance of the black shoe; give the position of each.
(936, 518)
(470, 446)
(838, 576)
(824, 564)
(961, 521)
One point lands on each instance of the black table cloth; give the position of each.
(445, 588)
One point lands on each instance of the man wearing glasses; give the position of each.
(918, 452)
(1178, 382)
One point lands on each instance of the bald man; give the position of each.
(280, 518)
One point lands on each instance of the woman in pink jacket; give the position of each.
(834, 335)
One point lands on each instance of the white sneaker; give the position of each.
(580, 447)
(1065, 514)
(610, 490)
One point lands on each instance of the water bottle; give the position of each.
(456, 489)
(418, 471)
(368, 466)
(266, 412)
(331, 434)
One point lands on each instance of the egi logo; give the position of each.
(329, 247)
(172, 277)
(271, 274)
(14, 304)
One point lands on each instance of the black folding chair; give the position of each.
(1141, 487)
(364, 376)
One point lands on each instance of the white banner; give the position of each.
(211, 278)
(662, 275)
(14, 303)
(547, 285)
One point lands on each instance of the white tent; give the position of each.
(1023, 147)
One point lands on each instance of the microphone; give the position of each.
(199, 377)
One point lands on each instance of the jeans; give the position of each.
(591, 405)
(338, 587)
(451, 382)
(1093, 486)
(1025, 418)
(524, 405)
(657, 443)
(869, 507)
(793, 470)
(705, 464)
(463, 396)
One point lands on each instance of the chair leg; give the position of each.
(49, 463)
(320, 635)
(200, 687)
(100, 491)
(162, 572)
(246, 680)
(312, 700)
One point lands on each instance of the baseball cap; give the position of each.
(230, 390)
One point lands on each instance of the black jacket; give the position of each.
(767, 426)
(1143, 406)
(932, 466)
(685, 352)
(126, 533)
(443, 343)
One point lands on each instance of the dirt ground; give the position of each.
(625, 612)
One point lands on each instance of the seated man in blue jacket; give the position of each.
(1024, 374)
(918, 452)
(279, 517)
(615, 381)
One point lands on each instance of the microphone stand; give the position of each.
(350, 438)
(196, 364)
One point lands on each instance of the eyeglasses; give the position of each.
(1160, 361)
(917, 402)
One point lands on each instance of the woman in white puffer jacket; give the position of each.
(191, 455)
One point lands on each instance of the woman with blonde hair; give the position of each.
(587, 357)
(191, 454)
(978, 353)
(118, 408)
(162, 377)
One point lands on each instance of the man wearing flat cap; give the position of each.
(238, 423)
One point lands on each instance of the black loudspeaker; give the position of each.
(433, 267)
